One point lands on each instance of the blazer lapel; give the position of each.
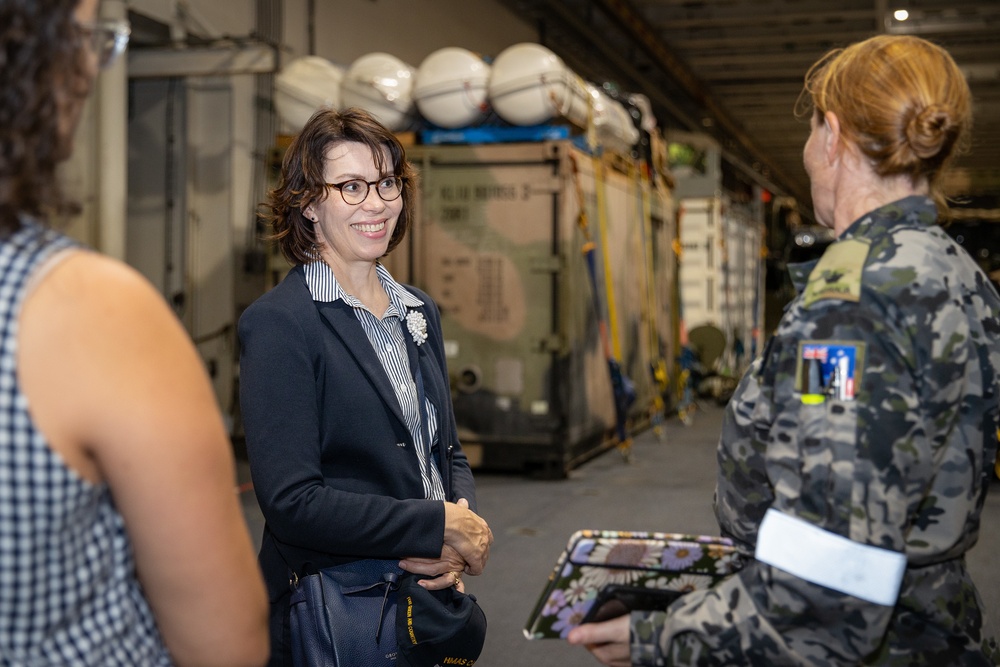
(439, 393)
(344, 324)
(412, 352)
(418, 356)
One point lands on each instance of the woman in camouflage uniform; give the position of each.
(856, 454)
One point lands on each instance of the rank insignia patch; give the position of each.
(829, 369)
(838, 273)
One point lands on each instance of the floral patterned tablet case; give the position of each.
(596, 558)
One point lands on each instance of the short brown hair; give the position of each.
(901, 99)
(303, 181)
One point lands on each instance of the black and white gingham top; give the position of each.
(386, 337)
(68, 590)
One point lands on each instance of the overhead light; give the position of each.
(919, 22)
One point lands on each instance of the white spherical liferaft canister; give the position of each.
(303, 86)
(612, 122)
(531, 85)
(381, 84)
(451, 87)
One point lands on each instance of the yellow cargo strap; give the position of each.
(583, 222)
(602, 228)
(625, 443)
(658, 365)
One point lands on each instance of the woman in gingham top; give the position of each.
(121, 540)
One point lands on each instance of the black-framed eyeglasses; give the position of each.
(106, 37)
(356, 190)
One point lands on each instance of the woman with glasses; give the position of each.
(121, 540)
(344, 389)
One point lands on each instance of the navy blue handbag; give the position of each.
(345, 616)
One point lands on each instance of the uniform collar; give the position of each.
(799, 273)
(913, 211)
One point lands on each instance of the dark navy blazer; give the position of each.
(332, 461)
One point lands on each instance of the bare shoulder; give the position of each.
(123, 360)
(91, 309)
(88, 284)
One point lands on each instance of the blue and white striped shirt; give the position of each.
(386, 336)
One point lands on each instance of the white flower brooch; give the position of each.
(417, 326)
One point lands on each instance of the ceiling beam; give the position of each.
(752, 15)
(640, 31)
(798, 39)
(755, 58)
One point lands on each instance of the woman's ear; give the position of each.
(309, 212)
(834, 141)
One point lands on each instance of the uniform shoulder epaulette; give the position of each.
(838, 273)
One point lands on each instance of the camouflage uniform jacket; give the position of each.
(898, 458)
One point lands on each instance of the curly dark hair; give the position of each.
(302, 178)
(41, 76)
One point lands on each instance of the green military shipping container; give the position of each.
(499, 243)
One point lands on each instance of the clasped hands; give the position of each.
(467, 540)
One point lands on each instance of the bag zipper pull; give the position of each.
(390, 579)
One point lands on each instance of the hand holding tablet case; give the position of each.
(616, 600)
(606, 573)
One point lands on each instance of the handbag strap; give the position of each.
(293, 580)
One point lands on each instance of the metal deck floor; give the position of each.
(667, 487)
